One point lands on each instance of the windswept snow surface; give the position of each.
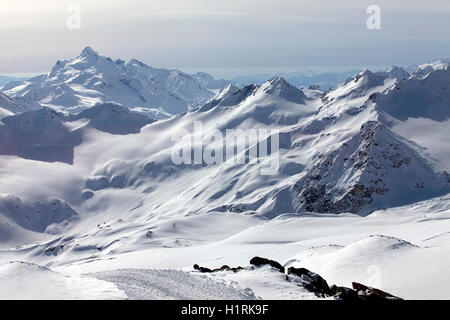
(147, 284)
(21, 280)
(359, 194)
(402, 250)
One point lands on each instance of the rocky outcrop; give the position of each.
(369, 293)
(312, 282)
(373, 169)
(258, 262)
(223, 268)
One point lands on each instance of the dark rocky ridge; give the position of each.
(312, 282)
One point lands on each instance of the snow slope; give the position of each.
(7, 107)
(6, 79)
(76, 84)
(402, 251)
(47, 135)
(112, 118)
(20, 280)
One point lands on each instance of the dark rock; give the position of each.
(312, 281)
(223, 268)
(238, 269)
(202, 269)
(258, 261)
(87, 194)
(369, 293)
(344, 293)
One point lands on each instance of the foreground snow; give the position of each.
(20, 280)
(403, 251)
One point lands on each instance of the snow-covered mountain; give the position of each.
(76, 84)
(47, 135)
(341, 152)
(354, 161)
(423, 69)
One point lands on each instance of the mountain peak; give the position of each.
(280, 87)
(277, 80)
(365, 72)
(88, 51)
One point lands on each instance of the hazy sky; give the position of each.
(225, 37)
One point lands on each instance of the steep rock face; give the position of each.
(374, 169)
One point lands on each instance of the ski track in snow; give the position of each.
(148, 284)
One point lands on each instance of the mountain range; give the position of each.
(326, 80)
(76, 84)
(100, 156)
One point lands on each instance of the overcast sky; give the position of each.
(225, 37)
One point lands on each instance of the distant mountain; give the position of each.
(76, 84)
(5, 79)
(298, 78)
(425, 68)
